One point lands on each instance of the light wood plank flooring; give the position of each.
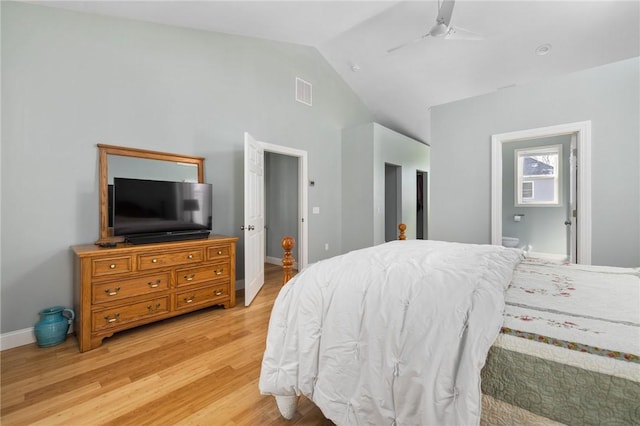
(198, 369)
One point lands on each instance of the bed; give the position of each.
(427, 332)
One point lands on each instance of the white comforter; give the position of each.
(394, 334)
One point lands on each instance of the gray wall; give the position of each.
(541, 228)
(357, 187)
(365, 151)
(411, 156)
(72, 80)
(281, 202)
(609, 96)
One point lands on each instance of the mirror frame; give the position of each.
(106, 233)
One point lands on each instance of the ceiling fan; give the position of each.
(442, 29)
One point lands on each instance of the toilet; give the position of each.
(510, 241)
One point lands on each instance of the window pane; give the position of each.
(540, 164)
(539, 191)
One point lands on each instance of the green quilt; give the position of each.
(564, 393)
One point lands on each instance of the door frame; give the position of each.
(303, 195)
(582, 131)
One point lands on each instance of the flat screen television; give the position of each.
(146, 211)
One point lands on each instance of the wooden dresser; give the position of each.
(130, 285)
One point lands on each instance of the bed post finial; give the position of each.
(287, 261)
(402, 227)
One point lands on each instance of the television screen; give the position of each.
(151, 207)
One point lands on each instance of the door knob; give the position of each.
(251, 227)
(242, 228)
(567, 222)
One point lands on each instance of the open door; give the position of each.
(572, 213)
(253, 218)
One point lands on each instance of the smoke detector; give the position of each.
(543, 49)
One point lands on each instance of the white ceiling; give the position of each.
(399, 88)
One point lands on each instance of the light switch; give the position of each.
(316, 210)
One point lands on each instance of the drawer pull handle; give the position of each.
(219, 252)
(219, 271)
(153, 285)
(112, 266)
(189, 277)
(112, 293)
(218, 292)
(154, 260)
(152, 309)
(114, 319)
(190, 256)
(190, 299)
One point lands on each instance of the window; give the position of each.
(538, 176)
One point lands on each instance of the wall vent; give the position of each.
(303, 91)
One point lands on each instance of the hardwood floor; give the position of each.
(198, 369)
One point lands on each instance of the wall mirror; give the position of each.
(117, 161)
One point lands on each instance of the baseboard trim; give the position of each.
(16, 338)
(273, 260)
(277, 261)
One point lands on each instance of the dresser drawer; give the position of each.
(218, 252)
(162, 260)
(202, 273)
(111, 318)
(111, 266)
(202, 295)
(120, 289)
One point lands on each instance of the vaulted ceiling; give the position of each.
(400, 87)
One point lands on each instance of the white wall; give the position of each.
(366, 149)
(609, 96)
(72, 80)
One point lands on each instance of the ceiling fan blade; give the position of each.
(422, 37)
(457, 33)
(445, 11)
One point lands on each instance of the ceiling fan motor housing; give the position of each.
(438, 30)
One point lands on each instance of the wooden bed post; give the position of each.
(287, 261)
(402, 227)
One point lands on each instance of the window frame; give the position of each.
(520, 178)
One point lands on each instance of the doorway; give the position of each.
(254, 211)
(421, 205)
(579, 220)
(537, 196)
(281, 177)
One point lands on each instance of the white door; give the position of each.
(572, 214)
(253, 218)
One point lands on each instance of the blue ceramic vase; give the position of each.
(53, 325)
